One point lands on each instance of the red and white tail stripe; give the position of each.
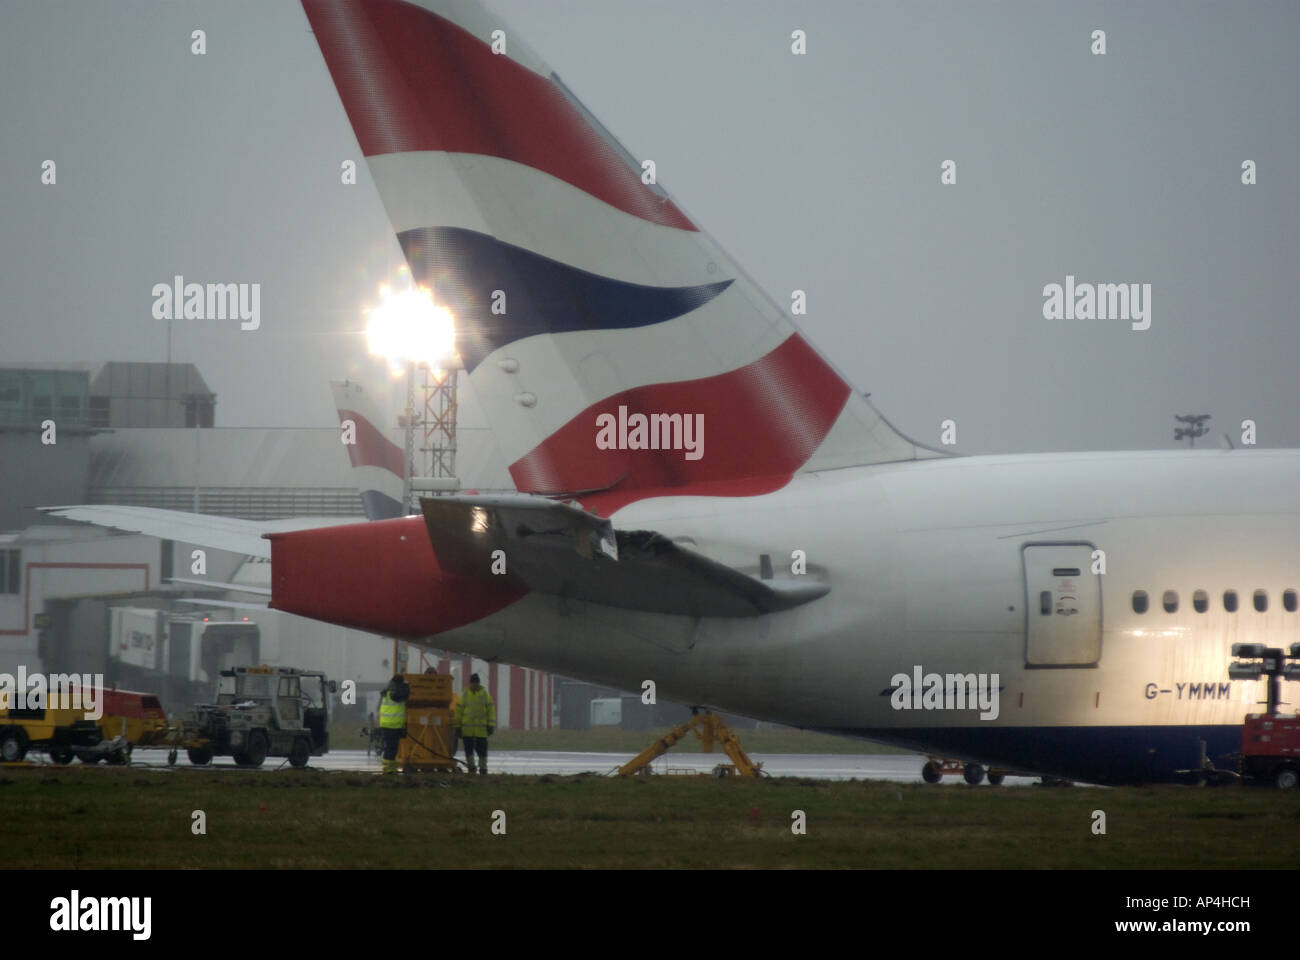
(578, 289)
(377, 463)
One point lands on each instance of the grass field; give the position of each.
(102, 818)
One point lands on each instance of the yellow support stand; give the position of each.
(708, 727)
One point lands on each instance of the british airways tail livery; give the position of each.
(705, 503)
(377, 463)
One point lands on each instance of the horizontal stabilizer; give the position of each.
(216, 585)
(232, 604)
(219, 533)
(560, 549)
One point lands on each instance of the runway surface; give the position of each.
(900, 768)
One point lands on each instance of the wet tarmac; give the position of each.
(899, 768)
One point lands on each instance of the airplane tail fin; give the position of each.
(613, 346)
(377, 462)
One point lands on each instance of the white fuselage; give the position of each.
(933, 564)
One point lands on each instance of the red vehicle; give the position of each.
(1270, 749)
(128, 719)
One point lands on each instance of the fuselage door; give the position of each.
(1063, 606)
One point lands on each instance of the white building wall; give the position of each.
(76, 564)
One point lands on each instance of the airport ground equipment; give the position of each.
(1270, 750)
(1270, 741)
(54, 730)
(430, 741)
(973, 773)
(128, 719)
(260, 712)
(709, 728)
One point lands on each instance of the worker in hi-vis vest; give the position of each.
(392, 720)
(476, 720)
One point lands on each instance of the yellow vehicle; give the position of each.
(59, 731)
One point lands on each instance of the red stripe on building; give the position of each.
(517, 680)
(412, 80)
(761, 423)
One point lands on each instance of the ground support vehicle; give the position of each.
(259, 712)
(56, 731)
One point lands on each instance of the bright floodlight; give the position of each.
(408, 327)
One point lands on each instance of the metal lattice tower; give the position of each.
(439, 422)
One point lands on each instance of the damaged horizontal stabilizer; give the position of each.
(560, 549)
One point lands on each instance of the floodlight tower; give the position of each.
(1195, 427)
(435, 472)
(1266, 662)
(439, 423)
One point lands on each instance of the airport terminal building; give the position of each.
(79, 598)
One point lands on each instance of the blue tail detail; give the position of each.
(380, 506)
(464, 267)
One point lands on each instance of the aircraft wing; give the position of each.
(217, 533)
(219, 585)
(232, 604)
(561, 549)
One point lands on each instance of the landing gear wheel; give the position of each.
(300, 753)
(199, 756)
(62, 755)
(995, 779)
(171, 757)
(13, 746)
(931, 773)
(1287, 778)
(974, 774)
(255, 755)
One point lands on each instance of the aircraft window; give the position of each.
(1170, 601)
(1200, 601)
(1065, 571)
(1230, 601)
(1261, 600)
(1139, 601)
(1288, 600)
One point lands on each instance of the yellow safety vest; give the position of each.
(475, 713)
(392, 715)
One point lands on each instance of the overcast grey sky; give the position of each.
(819, 172)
